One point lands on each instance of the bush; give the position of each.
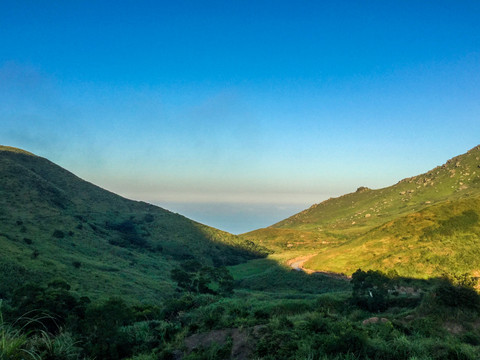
(370, 290)
(58, 234)
(102, 329)
(457, 296)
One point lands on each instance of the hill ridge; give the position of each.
(388, 229)
(55, 224)
(426, 179)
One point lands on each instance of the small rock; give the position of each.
(367, 215)
(362, 189)
(372, 320)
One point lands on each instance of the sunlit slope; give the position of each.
(55, 225)
(441, 239)
(459, 177)
(342, 229)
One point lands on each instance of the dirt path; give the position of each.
(297, 264)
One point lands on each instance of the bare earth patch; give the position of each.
(243, 341)
(297, 264)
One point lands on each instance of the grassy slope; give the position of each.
(53, 224)
(390, 228)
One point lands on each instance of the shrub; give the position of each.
(370, 289)
(58, 234)
(457, 296)
(149, 218)
(102, 328)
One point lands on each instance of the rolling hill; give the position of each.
(55, 225)
(423, 226)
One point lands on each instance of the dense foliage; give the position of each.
(380, 317)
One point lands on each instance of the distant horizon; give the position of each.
(238, 217)
(242, 217)
(248, 103)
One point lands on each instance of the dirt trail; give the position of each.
(297, 264)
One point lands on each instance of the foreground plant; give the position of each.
(14, 343)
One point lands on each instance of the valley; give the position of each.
(375, 274)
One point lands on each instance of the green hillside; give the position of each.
(125, 302)
(417, 227)
(55, 225)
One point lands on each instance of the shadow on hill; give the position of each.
(56, 225)
(268, 275)
(372, 289)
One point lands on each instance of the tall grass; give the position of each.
(14, 343)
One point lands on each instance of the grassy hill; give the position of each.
(55, 225)
(422, 226)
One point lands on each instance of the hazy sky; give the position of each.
(240, 113)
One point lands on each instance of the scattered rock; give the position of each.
(408, 290)
(367, 215)
(453, 328)
(242, 339)
(374, 320)
(362, 189)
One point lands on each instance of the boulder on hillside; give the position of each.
(362, 189)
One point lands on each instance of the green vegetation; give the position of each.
(374, 317)
(422, 227)
(57, 225)
(87, 274)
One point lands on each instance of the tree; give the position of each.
(370, 289)
(193, 277)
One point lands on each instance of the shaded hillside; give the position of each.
(53, 224)
(385, 228)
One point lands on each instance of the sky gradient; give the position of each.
(240, 113)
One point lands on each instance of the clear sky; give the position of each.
(240, 113)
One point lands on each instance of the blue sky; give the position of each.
(240, 113)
